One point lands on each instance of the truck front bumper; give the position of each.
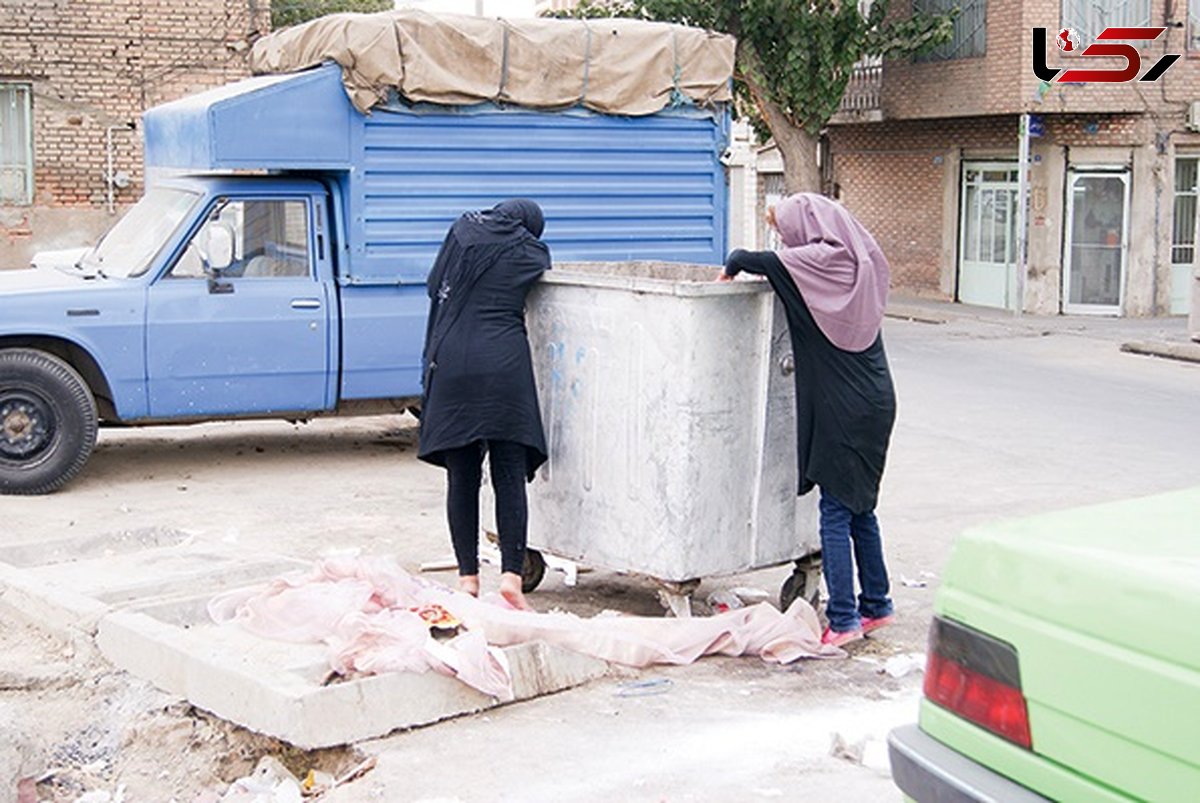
(927, 771)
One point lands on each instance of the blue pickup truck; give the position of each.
(275, 266)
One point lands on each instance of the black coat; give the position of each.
(845, 401)
(478, 375)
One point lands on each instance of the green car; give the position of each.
(1064, 661)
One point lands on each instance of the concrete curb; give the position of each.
(141, 600)
(902, 313)
(1187, 352)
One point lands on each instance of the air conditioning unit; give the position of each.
(1193, 116)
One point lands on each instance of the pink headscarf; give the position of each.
(837, 266)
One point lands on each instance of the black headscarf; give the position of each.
(524, 211)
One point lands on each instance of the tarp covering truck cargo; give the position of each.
(276, 265)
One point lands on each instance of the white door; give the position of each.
(987, 243)
(1184, 228)
(1096, 248)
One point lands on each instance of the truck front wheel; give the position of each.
(47, 422)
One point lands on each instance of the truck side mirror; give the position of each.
(220, 256)
(220, 246)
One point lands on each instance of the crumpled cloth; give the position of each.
(366, 609)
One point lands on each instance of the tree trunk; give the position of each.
(797, 147)
(799, 151)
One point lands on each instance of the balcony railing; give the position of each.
(862, 92)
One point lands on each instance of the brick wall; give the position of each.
(99, 63)
(892, 176)
(1002, 81)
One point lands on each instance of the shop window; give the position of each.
(970, 29)
(16, 144)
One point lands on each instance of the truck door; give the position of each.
(253, 338)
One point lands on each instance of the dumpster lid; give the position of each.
(613, 66)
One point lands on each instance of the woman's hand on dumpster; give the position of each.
(724, 277)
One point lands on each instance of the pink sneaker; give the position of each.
(840, 638)
(869, 625)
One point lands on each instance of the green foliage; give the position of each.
(294, 12)
(797, 55)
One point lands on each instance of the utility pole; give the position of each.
(1022, 214)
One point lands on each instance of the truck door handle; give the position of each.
(305, 303)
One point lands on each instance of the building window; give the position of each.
(16, 145)
(1090, 17)
(1194, 25)
(970, 28)
(1186, 219)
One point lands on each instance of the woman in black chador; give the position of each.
(480, 395)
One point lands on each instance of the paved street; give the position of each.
(996, 420)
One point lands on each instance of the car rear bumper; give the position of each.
(927, 770)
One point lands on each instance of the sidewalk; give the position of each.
(1159, 337)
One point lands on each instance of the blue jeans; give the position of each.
(849, 539)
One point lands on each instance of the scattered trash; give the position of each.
(570, 569)
(847, 751)
(644, 688)
(909, 582)
(439, 565)
(271, 782)
(751, 596)
(868, 752)
(27, 790)
(317, 783)
(900, 665)
(355, 772)
(722, 601)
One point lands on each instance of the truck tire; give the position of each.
(47, 422)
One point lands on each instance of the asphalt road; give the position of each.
(995, 421)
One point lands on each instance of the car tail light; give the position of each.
(978, 678)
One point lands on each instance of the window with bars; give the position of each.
(1187, 216)
(970, 29)
(1193, 40)
(16, 144)
(1090, 17)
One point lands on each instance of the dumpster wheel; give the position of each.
(532, 571)
(803, 583)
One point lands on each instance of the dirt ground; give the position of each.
(994, 422)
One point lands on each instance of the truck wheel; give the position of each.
(533, 571)
(47, 422)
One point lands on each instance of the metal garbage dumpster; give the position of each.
(669, 408)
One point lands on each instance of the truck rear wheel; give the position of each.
(47, 422)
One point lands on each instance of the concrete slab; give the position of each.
(67, 585)
(144, 594)
(280, 689)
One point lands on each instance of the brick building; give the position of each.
(925, 152)
(75, 75)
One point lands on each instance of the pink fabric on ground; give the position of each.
(360, 608)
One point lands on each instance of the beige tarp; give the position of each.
(615, 66)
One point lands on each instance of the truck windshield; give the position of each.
(129, 246)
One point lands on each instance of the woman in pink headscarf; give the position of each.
(833, 282)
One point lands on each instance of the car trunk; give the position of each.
(1102, 607)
